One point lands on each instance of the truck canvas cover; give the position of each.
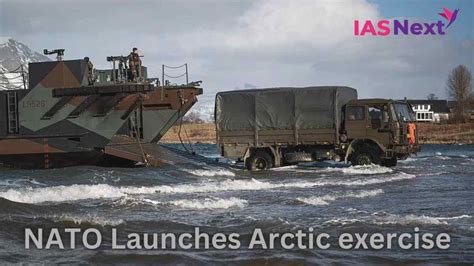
(281, 108)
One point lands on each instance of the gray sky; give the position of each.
(229, 43)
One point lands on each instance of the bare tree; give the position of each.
(459, 88)
(432, 96)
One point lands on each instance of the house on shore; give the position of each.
(434, 111)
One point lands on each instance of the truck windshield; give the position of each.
(403, 112)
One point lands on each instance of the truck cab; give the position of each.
(378, 131)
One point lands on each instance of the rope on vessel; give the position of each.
(175, 66)
(175, 77)
(191, 149)
(135, 128)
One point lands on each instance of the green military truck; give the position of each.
(274, 127)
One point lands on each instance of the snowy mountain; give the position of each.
(13, 55)
(203, 111)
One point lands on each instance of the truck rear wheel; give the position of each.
(259, 160)
(365, 155)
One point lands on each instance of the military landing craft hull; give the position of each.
(62, 120)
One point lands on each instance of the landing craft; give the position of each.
(71, 115)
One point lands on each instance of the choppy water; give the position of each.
(433, 191)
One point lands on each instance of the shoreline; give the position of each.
(452, 134)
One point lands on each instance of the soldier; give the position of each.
(90, 71)
(135, 63)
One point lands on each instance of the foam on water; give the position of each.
(366, 170)
(209, 203)
(284, 168)
(351, 170)
(212, 186)
(153, 202)
(210, 172)
(388, 218)
(62, 193)
(87, 219)
(253, 184)
(318, 201)
(326, 199)
(409, 219)
(455, 217)
(199, 204)
(408, 160)
(20, 182)
(82, 192)
(393, 219)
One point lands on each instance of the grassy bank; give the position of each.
(428, 133)
(446, 134)
(196, 133)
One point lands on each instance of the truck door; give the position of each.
(378, 124)
(355, 121)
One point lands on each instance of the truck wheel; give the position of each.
(391, 162)
(259, 160)
(364, 156)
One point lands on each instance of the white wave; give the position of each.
(318, 201)
(409, 219)
(326, 199)
(62, 193)
(209, 203)
(199, 204)
(210, 172)
(366, 170)
(437, 173)
(341, 221)
(153, 202)
(455, 217)
(99, 191)
(284, 168)
(213, 186)
(129, 201)
(408, 160)
(34, 182)
(91, 219)
(20, 182)
(393, 219)
(351, 170)
(399, 177)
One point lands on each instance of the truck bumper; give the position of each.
(406, 150)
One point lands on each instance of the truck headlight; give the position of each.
(343, 137)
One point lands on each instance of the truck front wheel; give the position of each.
(364, 156)
(259, 160)
(391, 162)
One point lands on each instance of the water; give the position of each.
(433, 191)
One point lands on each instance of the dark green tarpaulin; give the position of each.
(281, 108)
